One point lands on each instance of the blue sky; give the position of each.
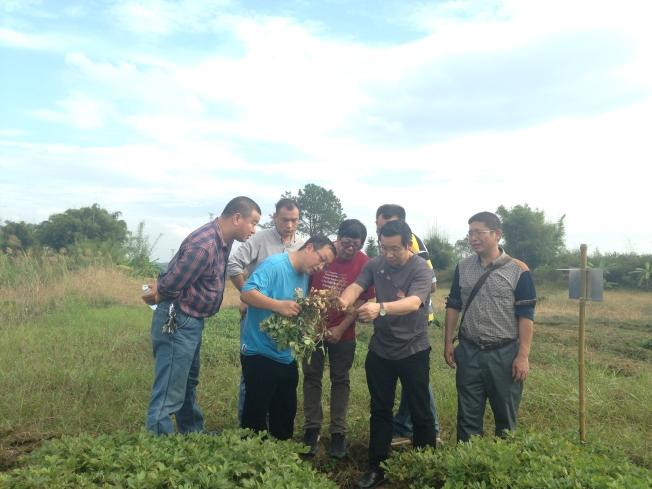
(164, 110)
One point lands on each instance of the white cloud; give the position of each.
(18, 39)
(12, 133)
(80, 111)
(163, 17)
(13, 7)
(347, 110)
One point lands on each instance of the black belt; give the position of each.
(489, 345)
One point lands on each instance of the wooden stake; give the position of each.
(581, 346)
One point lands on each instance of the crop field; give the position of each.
(75, 358)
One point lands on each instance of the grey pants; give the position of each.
(481, 375)
(340, 358)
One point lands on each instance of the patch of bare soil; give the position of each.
(14, 445)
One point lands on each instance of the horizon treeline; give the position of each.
(527, 235)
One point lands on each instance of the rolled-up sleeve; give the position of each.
(240, 258)
(189, 265)
(525, 296)
(454, 299)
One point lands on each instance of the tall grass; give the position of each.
(35, 283)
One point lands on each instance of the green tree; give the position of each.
(644, 275)
(462, 249)
(442, 253)
(372, 247)
(321, 210)
(139, 253)
(76, 226)
(17, 235)
(528, 237)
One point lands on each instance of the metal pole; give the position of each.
(581, 347)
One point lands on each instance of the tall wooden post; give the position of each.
(581, 347)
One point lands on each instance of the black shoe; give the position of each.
(311, 439)
(372, 478)
(338, 446)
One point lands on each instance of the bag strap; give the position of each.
(477, 286)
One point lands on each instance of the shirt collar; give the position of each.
(219, 237)
(502, 258)
(280, 238)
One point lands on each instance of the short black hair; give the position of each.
(319, 241)
(491, 220)
(241, 205)
(352, 228)
(397, 228)
(389, 211)
(286, 203)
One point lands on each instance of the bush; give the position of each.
(145, 461)
(521, 461)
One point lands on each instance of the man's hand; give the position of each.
(520, 368)
(448, 354)
(368, 311)
(151, 297)
(287, 308)
(339, 304)
(335, 333)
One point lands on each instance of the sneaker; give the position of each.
(399, 441)
(311, 439)
(338, 446)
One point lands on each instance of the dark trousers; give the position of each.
(271, 391)
(481, 375)
(382, 375)
(340, 358)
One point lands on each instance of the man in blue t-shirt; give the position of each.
(271, 375)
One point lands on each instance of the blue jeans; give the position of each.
(242, 391)
(176, 374)
(403, 418)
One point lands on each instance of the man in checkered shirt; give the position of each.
(496, 330)
(193, 286)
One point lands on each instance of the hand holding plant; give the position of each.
(303, 331)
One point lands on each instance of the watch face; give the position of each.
(382, 310)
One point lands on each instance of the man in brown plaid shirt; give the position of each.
(190, 290)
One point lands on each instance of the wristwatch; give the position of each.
(382, 312)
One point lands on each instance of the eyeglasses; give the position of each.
(478, 232)
(391, 250)
(350, 243)
(321, 257)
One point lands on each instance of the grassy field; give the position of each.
(75, 357)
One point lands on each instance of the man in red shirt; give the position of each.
(340, 345)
